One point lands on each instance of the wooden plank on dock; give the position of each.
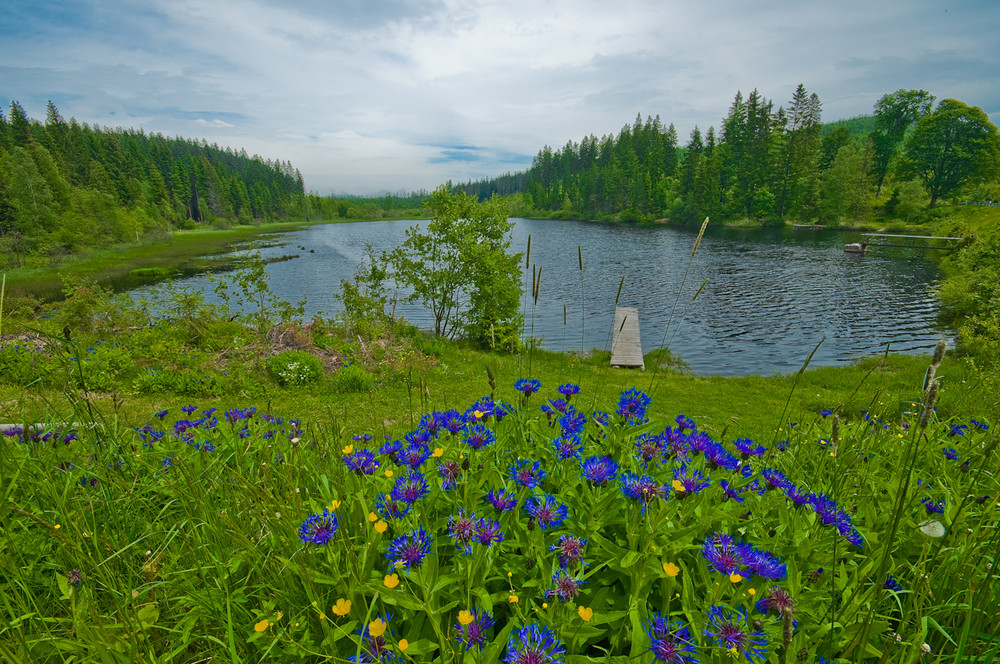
(626, 348)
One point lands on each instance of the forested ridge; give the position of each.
(767, 162)
(67, 186)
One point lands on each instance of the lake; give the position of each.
(769, 295)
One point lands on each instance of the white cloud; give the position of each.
(367, 95)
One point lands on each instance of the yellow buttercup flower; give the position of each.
(437, 452)
(403, 644)
(262, 625)
(391, 580)
(376, 627)
(348, 449)
(477, 413)
(380, 527)
(465, 617)
(545, 605)
(586, 613)
(678, 486)
(388, 473)
(342, 607)
(735, 578)
(372, 517)
(334, 504)
(512, 599)
(671, 569)
(752, 592)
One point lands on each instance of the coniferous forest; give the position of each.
(67, 186)
(768, 163)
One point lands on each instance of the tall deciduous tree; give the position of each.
(952, 146)
(895, 114)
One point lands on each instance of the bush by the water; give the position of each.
(293, 368)
(542, 529)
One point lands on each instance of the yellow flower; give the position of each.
(391, 580)
(545, 605)
(465, 617)
(376, 627)
(752, 592)
(262, 625)
(372, 517)
(57, 526)
(388, 473)
(342, 607)
(832, 453)
(512, 599)
(735, 578)
(678, 486)
(334, 504)
(477, 413)
(403, 644)
(277, 616)
(586, 613)
(348, 449)
(671, 569)
(380, 526)
(437, 452)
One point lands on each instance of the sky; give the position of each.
(368, 96)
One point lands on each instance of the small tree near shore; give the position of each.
(459, 268)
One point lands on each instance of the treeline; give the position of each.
(67, 186)
(767, 163)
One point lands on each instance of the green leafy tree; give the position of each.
(459, 267)
(895, 114)
(952, 146)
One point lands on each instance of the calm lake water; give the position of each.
(770, 295)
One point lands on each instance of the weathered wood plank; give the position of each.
(626, 347)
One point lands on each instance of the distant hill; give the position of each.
(860, 125)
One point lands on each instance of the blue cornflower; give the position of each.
(391, 448)
(375, 648)
(641, 488)
(450, 472)
(648, 447)
(474, 633)
(718, 456)
(568, 390)
(731, 632)
(528, 386)
(534, 644)
(731, 493)
(501, 500)
(318, 528)
(486, 407)
(160, 414)
(570, 549)
(685, 423)
(388, 508)
(418, 436)
(632, 406)
(825, 413)
(546, 511)
(691, 479)
(363, 462)
(601, 418)
(980, 425)
(572, 422)
(670, 642)
(779, 601)
(775, 479)
(950, 453)
(748, 448)
(478, 436)
(409, 549)
(462, 529)
(555, 406)
(599, 470)
(725, 554)
(526, 473)
(189, 409)
(765, 564)
(567, 447)
(565, 587)
(452, 420)
(933, 507)
(410, 488)
(488, 532)
(413, 455)
(958, 429)
(431, 423)
(892, 584)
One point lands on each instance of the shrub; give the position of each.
(353, 378)
(292, 368)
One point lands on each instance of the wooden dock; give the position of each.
(626, 348)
